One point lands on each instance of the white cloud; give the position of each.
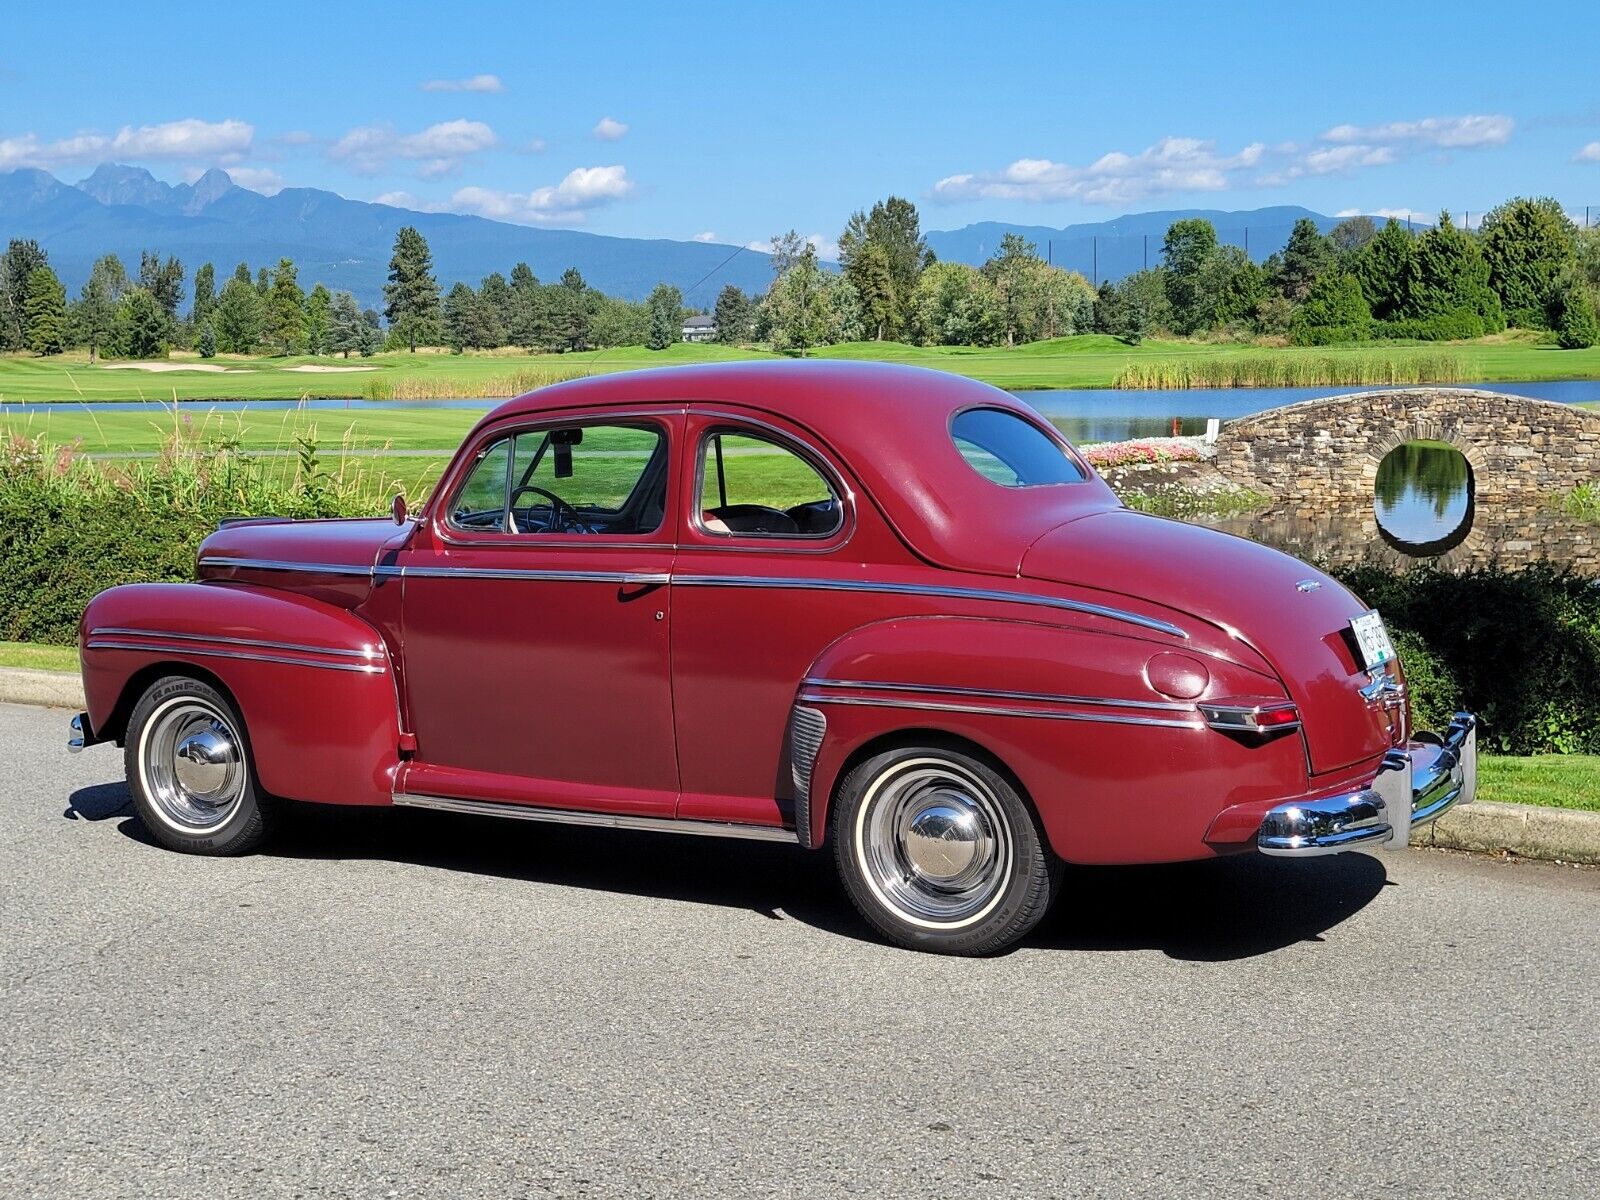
(1187, 165)
(609, 129)
(1462, 133)
(707, 236)
(565, 203)
(473, 83)
(1171, 165)
(826, 248)
(1590, 153)
(258, 179)
(368, 149)
(534, 145)
(407, 200)
(295, 137)
(191, 138)
(1398, 214)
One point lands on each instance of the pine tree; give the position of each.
(458, 319)
(237, 317)
(21, 258)
(205, 294)
(286, 308)
(411, 296)
(318, 304)
(1531, 246)
(142, 325)
(666, 316)
(344, 325)
(242, 273)
(497, 306)
(208, 341)
(1577, 325)
(732, 315)
(164, 282)
(1450, 279)
(45, 312)
(1383, 268)
(1307, 256)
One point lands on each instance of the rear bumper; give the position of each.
(1413, 787)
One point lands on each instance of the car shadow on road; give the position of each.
(1207, 911)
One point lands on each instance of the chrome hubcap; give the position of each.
(193, 769)
(935, 843)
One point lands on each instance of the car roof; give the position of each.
(890, 426)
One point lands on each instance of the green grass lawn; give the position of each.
(1550, 780)
(1090, 360)
(43, 658)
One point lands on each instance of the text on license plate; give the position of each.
(1372, 639)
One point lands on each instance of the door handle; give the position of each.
(645, 578)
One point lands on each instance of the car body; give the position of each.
(956, 658)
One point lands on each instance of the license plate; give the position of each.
(1372, 639)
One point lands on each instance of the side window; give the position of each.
(756, 487)
(584, 479)
(1005, 449)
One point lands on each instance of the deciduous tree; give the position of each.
(164, 282)
(797, 305)
(96, 310)
(1188, 246)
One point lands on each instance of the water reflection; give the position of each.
(1423, 495)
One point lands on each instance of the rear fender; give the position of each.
(314, 683)
(1116, 770)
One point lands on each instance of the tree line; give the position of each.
(1527, 265)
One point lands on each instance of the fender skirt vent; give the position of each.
(807, 728)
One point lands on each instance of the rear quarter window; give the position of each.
(1010, 450)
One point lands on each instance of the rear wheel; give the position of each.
(939, 851)
(189, 769)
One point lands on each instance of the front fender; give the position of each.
(1117, 771)
(314, 683)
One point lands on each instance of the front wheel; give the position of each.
(939, 851)
(189, 769)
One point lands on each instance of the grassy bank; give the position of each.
(37, 657)
(1087, 361)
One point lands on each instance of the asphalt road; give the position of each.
(406, 1003)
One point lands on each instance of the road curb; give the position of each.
(53, 689)
(1526, 830)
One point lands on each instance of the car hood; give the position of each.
(1291, 614)
(333, 560)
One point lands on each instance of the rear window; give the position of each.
(1008, 450)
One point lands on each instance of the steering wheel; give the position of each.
(563, 517)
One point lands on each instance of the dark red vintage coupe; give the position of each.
(887, 611)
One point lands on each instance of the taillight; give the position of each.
(1260, 719)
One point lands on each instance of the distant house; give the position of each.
(699, 329)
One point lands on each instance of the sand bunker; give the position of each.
(169, 366)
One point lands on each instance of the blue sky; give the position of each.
(731, 122)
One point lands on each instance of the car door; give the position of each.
(536, 621)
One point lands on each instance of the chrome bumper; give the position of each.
(1413, 786)
(80, 736)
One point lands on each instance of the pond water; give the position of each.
(1423, 495)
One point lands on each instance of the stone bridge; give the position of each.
(1319, 457)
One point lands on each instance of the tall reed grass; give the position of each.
(1281, 369)
(428, 385)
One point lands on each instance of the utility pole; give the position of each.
(1094, 243)
(1247, 241)
(1147, 246)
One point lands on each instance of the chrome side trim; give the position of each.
(995, 694)
(365, 668)
(996, 710)
(807, 728)
(924, 589)
(120, 631)
(278, 564)
(563, 816)
(535, 574)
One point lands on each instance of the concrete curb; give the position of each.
(54, 689)
(1558, 834)
(1526, 830)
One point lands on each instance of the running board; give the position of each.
(565, 816)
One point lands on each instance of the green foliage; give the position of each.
(1519, 648)
(411, 296)
(796, 306)
(1384, 269)
(238, 317)
(142, 326)
(1282, 369)
(22, 257)
(1531, 246)
(164, 282)
(1188, 246)
(318, 306)
(1449, 275)
(954, 305)
(207, 344)
(882, 252)
(286, 308)
(733, 316)
(44, 313)
(666, 316)
(70, 528)
(1456, 326)
(1577, 325)
(1304, 259)
(205, 294)
(1334, 311)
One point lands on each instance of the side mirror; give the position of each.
(397, 508)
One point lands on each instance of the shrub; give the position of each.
(71, 527)
(1335, 311)
(1519, 648)
(1577, 326)
(1460, 325)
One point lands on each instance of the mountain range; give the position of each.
(346, 243)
